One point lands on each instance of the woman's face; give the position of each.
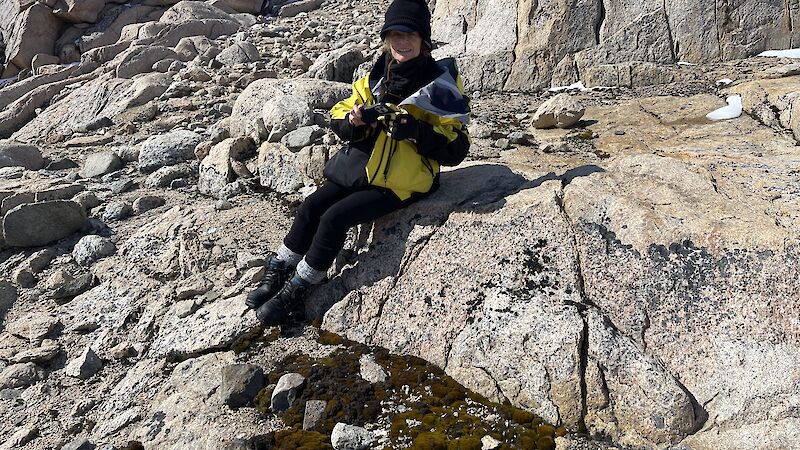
(404, 46)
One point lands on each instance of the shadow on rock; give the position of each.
(377, 252)
(8, 295)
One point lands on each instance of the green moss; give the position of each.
(328, 338)
(301, 440)
(430, 441)
(263, 401)
(546, 430)
(545, 443)
(465, 443)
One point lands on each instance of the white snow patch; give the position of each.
(732, 111)
(572, 87)
(724, 82)
(790, 53)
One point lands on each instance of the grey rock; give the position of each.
(98, 164)
(34, 327)
(79, 444)
(58, 192)
(86, 365)
(286, 391)
(282, 114)
(337, 65)
(561, 111)
(37, 224)
(12, 173)
(13, 154)
(349, 437)
(92, 248)
(64, 284)
(62, 164)
(490, 443)
(502, 144)
(302, 137)
(116, 211)
(22, 436)
(48, 350)
(164, 176)
(222, 205)
(122, 185)
(241, 52)
(168, 149)
(179, 183)
(87, 200)
(295, 8)
(240, 384)
(140, 59)
(313, 414)
(19, 375)
(146, 203)
(371, 370)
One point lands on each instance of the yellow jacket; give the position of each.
(404, 166)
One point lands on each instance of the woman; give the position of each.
(386, 164)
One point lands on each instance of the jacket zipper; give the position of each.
(377, 169)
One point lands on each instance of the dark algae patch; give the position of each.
(418, 406)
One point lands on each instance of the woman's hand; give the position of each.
(356, 117)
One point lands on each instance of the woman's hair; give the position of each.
(387, 48)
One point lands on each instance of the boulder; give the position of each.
(65, 284)
(91, 248)
(562, 111)
(215, 169)
(241, 52)
(337, 65)
(101, 163)
(109, 30)
(247, 116)
(35, 31)
(349, 437)
(301, 6)
(37, 224)
(286, 172)
(186, 10)
(286, 391)
(313, 414)
(13, 154)
(164, 176)
(116, 211)
(189, 47)
(240, 384)
(140, 59)
(167, 149)
(283, 114)
(85, 365)
(172, 34)
(242, 6)
(79, 11)
(371, 370)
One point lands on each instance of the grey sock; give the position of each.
(289, 257)
(310, 274)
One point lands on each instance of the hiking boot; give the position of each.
(276, 275)
(285, 307)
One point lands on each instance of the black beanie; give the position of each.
(409, 15)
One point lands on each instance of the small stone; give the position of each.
(92, 248)
(518, 138)
(87, 199)
(561, 111)
(490, 443)
(19, 375)
(223, 205)
(146, 203)
(185, 308)
(45, 352)
(192, 288)
(349, 437)
(314, 413)
(502, 144)
(286, 391)
(63, 285)
(123, 350)
(98, 164)
(619, 132)
(61, 164)
(302, 137)
(23, 277)
(116, 211)
(85, 365)
(34, 327)
(372, 371)
(245, 260)
(240, 384)
(22, 436)
(179, 183)
(79, 444)
(120, 186)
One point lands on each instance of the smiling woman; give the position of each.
(390, 159)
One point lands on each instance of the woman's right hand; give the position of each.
(355, 116)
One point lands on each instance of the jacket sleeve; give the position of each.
(340, 123)
(447, 144)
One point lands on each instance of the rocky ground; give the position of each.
(630, 280)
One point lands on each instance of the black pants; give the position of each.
(321, 225)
